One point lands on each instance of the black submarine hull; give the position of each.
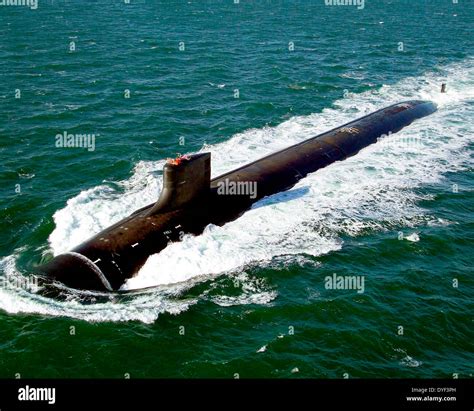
(190, 200)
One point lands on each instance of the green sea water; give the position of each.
(151, 79)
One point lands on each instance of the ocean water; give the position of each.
(248, 298)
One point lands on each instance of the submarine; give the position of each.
(190, 200)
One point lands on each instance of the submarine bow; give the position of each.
(190, 200)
